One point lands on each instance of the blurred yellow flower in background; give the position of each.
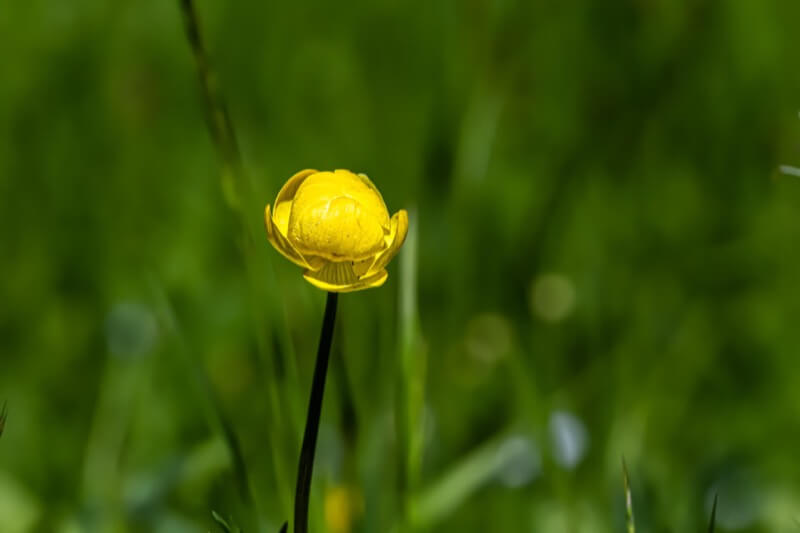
(343, 506)
(337, 227)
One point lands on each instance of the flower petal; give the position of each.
(282, 244)
(395, 239)
(368, 182)
(339, 277)
(337, 215)
(283, 202)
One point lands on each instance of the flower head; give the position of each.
(337, 227)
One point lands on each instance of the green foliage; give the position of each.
(602, 262)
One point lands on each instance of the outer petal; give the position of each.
(339, 277)
(285, 197)
(395, 239)
(368, 183)
(282, 244)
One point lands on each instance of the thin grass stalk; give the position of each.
(628, 499)
(213, 403)
(413, 365)
(712, 521)
(219, 121)
(237, 191)
(3, 416)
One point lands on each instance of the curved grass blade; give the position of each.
(3, 417)
(218, 417)
(433, 503)
(237, 192)
(713, 515)
(219, 121)
(631, 527)
(224, 524)
(789, 170)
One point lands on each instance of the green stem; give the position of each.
(306, 466)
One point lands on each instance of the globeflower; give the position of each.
(336, 226)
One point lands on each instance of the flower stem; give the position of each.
(306, 466)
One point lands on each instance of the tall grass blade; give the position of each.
(628, 499)
(3, 417)
(218, 417)
(435, 502)
(219, 121)
(713, 515)
(238, 194)
(413, 363)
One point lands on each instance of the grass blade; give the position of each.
(219, 121)
(218, 417)
(631, 527)
(3, 417)
(224, 523)
(713, 515)
(438, 500)
(413, 363)
(238, 194)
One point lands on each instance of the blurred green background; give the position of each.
(603, 262)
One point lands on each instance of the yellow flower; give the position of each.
(337, 227)
(343, 506)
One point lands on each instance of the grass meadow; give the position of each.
(603, 262)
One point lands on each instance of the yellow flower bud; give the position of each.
(337, 227)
